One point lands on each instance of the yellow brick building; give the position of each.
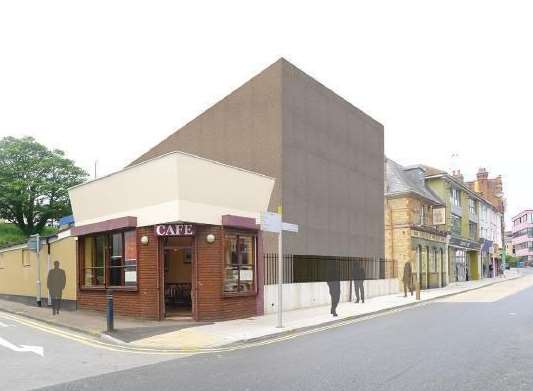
(412, 231)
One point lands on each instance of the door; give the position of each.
(178, 258)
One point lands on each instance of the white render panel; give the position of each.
(311, 294)
(173, 187)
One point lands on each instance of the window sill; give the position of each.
(238, 294)
(114, 289)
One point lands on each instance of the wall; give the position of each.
(178, 270)
(18, 281)
(209, 301)
(310, 294)
(325, 154)
(243, 129)
(144, 302)
(333, 171)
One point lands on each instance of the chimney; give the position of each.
(482, 174)
(457, 175)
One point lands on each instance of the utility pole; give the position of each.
(504, 255)
(280, 272)
(34, 243)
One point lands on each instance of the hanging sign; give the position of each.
(439, 216)
(174, 230)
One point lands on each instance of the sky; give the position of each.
(106, 80)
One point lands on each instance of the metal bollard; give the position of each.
(110, 319)
(417, 289)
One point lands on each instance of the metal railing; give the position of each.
(306, 268)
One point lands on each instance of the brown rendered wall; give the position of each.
(243, 130)
(325, 154)
(333, 171)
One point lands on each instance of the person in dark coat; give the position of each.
(407, 279)
(56, 283)
(358, 277)
(334, 285)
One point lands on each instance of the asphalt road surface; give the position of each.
(479, 340)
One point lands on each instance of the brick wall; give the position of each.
(209, 302)
(145, 302)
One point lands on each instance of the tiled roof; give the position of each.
(430, 171)
(403, 180)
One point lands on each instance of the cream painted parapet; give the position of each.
(173, 187)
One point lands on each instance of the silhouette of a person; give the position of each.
(407, 279)
(56, 283)
(358, 281)
(334, 285)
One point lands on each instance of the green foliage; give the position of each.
(11, 234)
(34, 183)
(512, 261)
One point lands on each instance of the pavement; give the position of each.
(189, 336)
(478, 340)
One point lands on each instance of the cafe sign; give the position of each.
(174, 230)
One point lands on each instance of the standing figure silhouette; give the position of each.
(358, 277)
(334, 285)
(56, 283)
(407, 279)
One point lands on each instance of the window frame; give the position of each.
(255, 241)
(107, 261)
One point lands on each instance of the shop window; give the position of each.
(110, 260)
(239, 263)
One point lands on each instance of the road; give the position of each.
(479, 340)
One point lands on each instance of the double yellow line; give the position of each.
(97, 343)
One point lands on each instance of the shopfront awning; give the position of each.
(173, 187)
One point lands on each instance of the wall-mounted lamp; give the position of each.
(144, 240)
(210, 238)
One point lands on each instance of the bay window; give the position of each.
(239, 263)
(110, 260)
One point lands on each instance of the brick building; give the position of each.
(324, 162)
(412, 233)
(172, 236)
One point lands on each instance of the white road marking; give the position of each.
(4, 325)
(23, 348)
(512, 313)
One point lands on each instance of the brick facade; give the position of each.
(209, 301)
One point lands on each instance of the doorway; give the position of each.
(178, 258)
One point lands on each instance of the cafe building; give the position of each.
(173, 236)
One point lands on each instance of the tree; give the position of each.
(34, 183)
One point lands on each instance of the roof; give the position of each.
(403, 180)
(432, 171)
(65, 220)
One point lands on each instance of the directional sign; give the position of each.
(22, 348)
(289, 227)
(34, 242)
(270, 222)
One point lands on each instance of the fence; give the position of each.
(305, 268)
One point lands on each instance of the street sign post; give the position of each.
(272, 222)
(34, 244)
